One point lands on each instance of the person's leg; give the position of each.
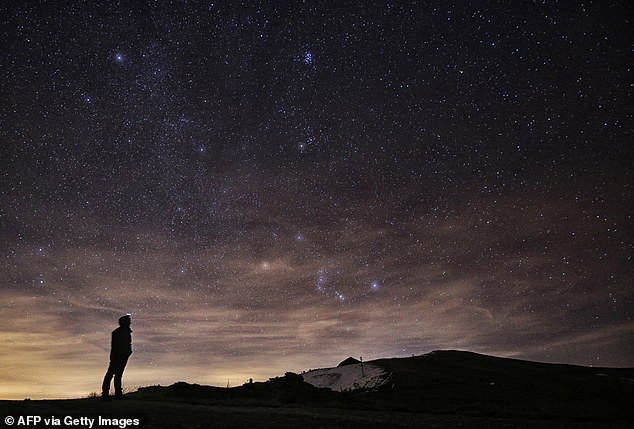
(105, 386)
(118, 390)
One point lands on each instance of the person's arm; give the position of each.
(129, 344)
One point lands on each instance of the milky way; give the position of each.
(270, 187)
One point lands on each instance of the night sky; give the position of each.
(275, 186)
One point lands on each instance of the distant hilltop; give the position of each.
(349, 361)
(451, 382)
(349, 375)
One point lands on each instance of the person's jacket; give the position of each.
(121, 347)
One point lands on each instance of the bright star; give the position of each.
(321, 281)
(308, 57)
(119, 57)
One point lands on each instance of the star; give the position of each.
(321, 281)
(308, 58)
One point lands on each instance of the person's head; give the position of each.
(124, 320)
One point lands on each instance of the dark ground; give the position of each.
(443, 389)
(159, 414)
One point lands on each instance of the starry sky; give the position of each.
(274, 186)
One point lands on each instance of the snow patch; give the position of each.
(349, 377)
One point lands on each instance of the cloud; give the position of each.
(256, 301)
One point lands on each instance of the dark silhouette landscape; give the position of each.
(439, 389)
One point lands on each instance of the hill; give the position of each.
(441, 382)
(465, 382)
(439, 389)
(349, 377)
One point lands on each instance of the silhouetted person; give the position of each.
(120, 351)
